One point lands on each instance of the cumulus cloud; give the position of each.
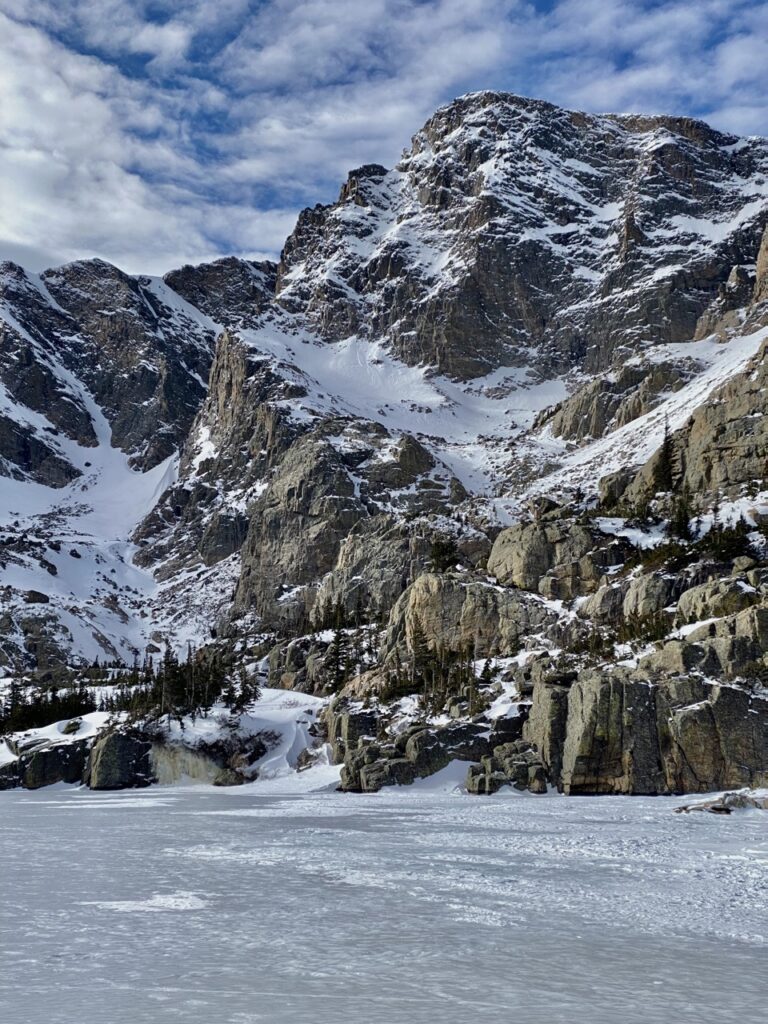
(152, 132)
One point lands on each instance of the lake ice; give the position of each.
(271, 904)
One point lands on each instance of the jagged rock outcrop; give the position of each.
(635, 188)
(730, 647)
(347, 722)
(721, 449)
(125, 340)
(516, 764)
(296, 529)
(545, 728)
(557, 558)
(227, 761)
(418, 753)
(232, 292)
(459, 614)
(650, 594)
(761, 277)
(716, 599)
(606, 605)
(629, 733)
(613, 399)
(611, 738)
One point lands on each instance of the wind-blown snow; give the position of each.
(635, 442)
(463, 423)
(408, 905)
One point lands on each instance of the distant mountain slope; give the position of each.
(519, 307)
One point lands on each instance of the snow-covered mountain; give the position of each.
(517, 308)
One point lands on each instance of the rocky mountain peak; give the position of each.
(520, 307)
(531, 229)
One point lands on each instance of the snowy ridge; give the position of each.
(634, 443)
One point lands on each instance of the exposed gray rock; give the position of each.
(761, 280)
(648, 595)
(232, 291)
(9, 775)
(458, 613)
(347, 723)
(611, 742)
(558, 559)
(59, 762)
(732, 646)
(421, 752)
(630, 735)
(712, 737)
(614, 399)
(502, 288)
(119, 760)
(716, 599)
(607, 603)
(545, 728)
(510, 764)
(728, 803)
(722, 446)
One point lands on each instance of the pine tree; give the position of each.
(337, 659)
(680, 519)
(444, 554)
(421, 656)
(663, 471)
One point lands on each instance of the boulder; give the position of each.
(649, 595)
(348, 722)
(729, 647)
(510, 764)
(559, 559)
(60, 762)
(606, 604)
(728, 803)
(715, 599)
(418, 753)
(119, 760)
(523, 554)
(9, 775)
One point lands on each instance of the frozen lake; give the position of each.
(249, 905)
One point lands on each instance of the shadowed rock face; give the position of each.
(57, 763)
(88, 333)
(146, 362)
(232, 292)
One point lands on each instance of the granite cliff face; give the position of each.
(487, 405)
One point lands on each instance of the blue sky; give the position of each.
(153, 133)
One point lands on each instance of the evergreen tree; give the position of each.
(680, 518)
(337, 659)
(421, 656)
(663, 471)
(443, 553)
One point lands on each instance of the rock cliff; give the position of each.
(489, 435)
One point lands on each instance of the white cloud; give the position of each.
(151, 132)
